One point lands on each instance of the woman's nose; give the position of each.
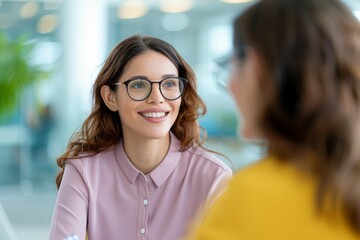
(155, 94)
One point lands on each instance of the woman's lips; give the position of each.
(154, 117)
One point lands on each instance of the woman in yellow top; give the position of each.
(296, 81)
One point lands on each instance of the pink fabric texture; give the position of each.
(107, 197)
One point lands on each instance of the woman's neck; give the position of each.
(146, 154)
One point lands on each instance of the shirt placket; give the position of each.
(143, 206)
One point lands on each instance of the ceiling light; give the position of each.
(236, 1)
(28, 10)
(47, 23)
(175, 6)
(132, 9)
(52, 5)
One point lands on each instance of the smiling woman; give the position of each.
(138, 160)
(140, 105)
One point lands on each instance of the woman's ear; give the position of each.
(108, 97)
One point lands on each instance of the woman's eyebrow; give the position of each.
(168, 75)
(145, 77)
(139, 77)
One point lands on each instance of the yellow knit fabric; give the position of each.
(270, 200)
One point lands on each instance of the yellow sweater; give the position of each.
(270, 201)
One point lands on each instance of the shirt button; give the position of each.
(142, 230)
(146, 202)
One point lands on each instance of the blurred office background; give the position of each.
(50, 54)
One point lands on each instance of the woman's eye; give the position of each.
(170, 84)
(137, 84)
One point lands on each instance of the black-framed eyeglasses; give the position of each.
(138, 89)
(221, 71)
(225, 65)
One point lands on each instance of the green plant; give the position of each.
(16, 71)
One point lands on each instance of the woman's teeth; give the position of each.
(154, 114)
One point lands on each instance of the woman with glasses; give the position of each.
(137, 169)
(296, 82)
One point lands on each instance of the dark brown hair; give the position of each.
(309, 53)
(102, 129)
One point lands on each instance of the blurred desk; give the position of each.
(6, 230)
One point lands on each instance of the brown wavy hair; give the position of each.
(309, 52)
(102, 129)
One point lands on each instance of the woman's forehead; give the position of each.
(150, 64)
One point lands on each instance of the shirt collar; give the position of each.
(126, 165)
(169, 163)
(161, 172)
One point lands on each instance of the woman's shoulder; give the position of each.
(282, 185)
(200, 156)
(197, 155)
(88, 159)
(273, 166)
(270, 172)
(267, 195)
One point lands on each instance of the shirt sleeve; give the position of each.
(218, 186)
(71, 207)
(218, 222)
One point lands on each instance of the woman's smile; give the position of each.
(154, 116)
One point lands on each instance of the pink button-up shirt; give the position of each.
(107, 197)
